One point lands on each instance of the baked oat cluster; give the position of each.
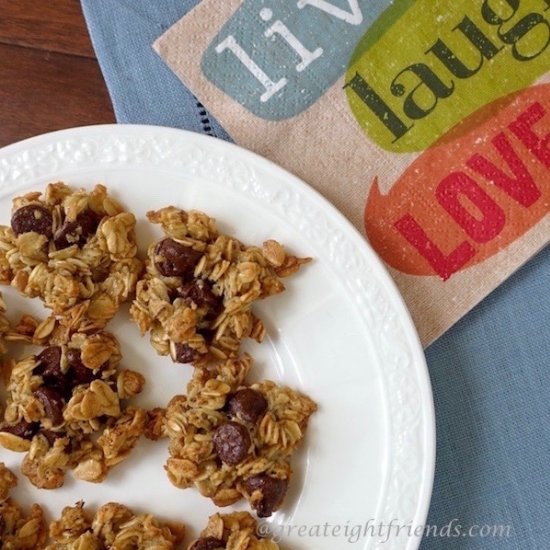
(114, 527)
(197, 294)
(17, 530)
(237, 531)
(232, 440)
(75, 250)
(67, 409)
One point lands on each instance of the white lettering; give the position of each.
(271, 88)
(353, 17)
(307, 57)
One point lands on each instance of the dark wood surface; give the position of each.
(49, 76)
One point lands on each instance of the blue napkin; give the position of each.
(490, 372)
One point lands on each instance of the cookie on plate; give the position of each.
(61, 399)
(18, 531)
(75, 250)
(197, 293)
(232, 440)
(237, 531)
(113, 526)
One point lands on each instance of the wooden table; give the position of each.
(49, 75)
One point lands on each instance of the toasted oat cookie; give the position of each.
(114, 526)
(18, 531)
(61, 399)
(231, 440)
(75, 250)
(237, 531)
(197, 293)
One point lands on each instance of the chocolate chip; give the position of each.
(185, 353)
(231, 441)
(49, 362)
(199, 292)
(272, 489)
(78, 230)
(79, 373)
(23, 429)
(53, 404)
(208, 543)
(247, 404)
(32, 217)
(51, 436)
(49, 367)
(176, 260)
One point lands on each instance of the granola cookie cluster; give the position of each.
(237, 531)
(232, 440)
(17, 530)
(61, 399)
(197, 294)
(75, 250)
(114, 526)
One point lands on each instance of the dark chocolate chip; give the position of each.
(53, 404)
(175, 259)
(49, 367)
(32, 217)
(51, 436)
(208, 543)
(231, 441)
(272, 489)
(199, 292)
(79, 373)
(185, 353)
(247, 404)
(23, 429)
(78, 230)
(49, 363)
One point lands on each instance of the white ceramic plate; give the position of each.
(340, 333)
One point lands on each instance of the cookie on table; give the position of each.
(232, 440)
(237, 531)
(197, 293)
(75, 250)
(60, 400)
(113, 526)
(18, 531)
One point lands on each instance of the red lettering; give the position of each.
(521, 127)
(448, 194)
(443, 264)
(521, 187)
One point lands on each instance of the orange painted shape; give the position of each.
(507, 156)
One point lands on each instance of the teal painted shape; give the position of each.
(313, 27)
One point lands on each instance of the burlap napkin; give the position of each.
(425, 122)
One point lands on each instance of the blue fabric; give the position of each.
(143, 90)
(490, 372)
